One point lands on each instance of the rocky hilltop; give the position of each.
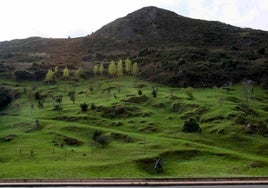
(152, 26)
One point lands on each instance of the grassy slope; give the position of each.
(222, 149)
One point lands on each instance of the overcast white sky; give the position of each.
(63, 18)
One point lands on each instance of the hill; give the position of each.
(121, 137)
(170, 49)
(181, 51)
(155, 27)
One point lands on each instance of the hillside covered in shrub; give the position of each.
(169, 48)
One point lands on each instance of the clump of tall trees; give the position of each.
(53, 74)
(113, 69)
(117, 69)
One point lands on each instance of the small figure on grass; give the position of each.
(159, 165)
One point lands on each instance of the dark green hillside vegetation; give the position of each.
(200, 67)
(196, 132)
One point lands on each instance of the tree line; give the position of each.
(114, 69)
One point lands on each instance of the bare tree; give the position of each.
(248, 89)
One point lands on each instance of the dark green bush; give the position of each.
(58, 108)
(139, 92)
(84, 107)
(21, 75)
(261, 51)
(72, 96)
(96, 134)
(37, 96)
(5, 97)
(40, 104)
(191, 126)
(154, 93)
(100, 139)
(58, 99)
(93, 106)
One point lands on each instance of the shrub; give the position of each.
(5, 97)
(37, 96)
(58, 108)
(140, 99)
(71, 93)
(58, 99)
(100, 139)
(37, 123)
(176, 107)
(261, 51)
(71, 141)
(96, 134)
(72, 98)
(92, 107)
(40, 104)
(154, 93)
(189, 92)
(191, 126)
(234, 48)
(84, 107)
(262, 129)
(23, 75)
(139, 92)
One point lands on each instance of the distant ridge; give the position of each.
(152, 26)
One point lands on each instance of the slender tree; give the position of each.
(95, 70)
(77, 73)
(56, 70)
(65, 73)
(135, 69)
(128, 66)
(101, 69)
(119, 68)
(248, 88)
(49, 76)
(112, 68)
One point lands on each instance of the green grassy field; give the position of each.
(139, 129)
